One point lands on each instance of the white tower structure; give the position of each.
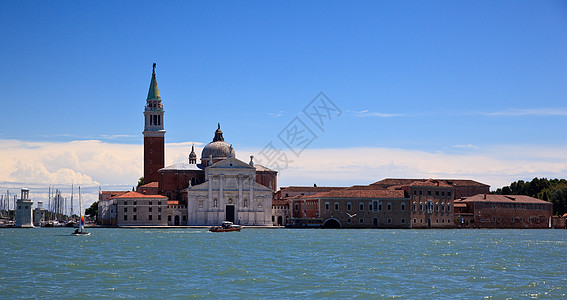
(24, 210)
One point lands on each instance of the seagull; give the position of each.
(351, 216)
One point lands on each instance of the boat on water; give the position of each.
(81, 229)
(225, 227)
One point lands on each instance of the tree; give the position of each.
(93, 210)
(140, 182)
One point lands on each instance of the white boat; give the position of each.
(81, 229)
(225, 227)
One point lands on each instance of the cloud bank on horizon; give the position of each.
(112, 166)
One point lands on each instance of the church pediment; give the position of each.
(231, 163)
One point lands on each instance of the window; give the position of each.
(159, 209)
(150, 209)
(361, 206)
(448, 207)
(361, 221)
(443, 193)
(420, 192)
(414, 206)
(135, 202)
(327, 206)
(159, 203)
(420, 206)
(150, 217)
(169, 218)
(159, 217)
(125, 217)
(428, 193)
(379, 206)
(370, 206)
(403, 220)
(414, 220)
(414, 192)
(389, 221)
(125, 209)
(150, 202)
(442, 206)
(135, 217)
(389, 205)
(296, 206)
(134, 209)
(349, 220)
(336, 206)
(437, 193)
(403, 206)
(349, 206)
(448, 194)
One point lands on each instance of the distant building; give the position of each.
(432, 200)
(24, 217)
(502, 211)
(39, 214)
(281, 206)
(135, 209)
(353, 207)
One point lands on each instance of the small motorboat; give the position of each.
(225, 226)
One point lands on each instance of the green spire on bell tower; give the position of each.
(153, 93)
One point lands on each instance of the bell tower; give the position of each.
(154, 133)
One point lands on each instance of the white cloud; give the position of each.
(529, 112)
(366, 113)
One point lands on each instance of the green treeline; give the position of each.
(551, 190)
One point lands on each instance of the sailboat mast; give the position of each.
(71, 200)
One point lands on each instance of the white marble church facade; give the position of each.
(230, 193)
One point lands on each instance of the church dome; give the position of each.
(218, 148)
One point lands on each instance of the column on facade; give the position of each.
(240, 199)
(220, 202)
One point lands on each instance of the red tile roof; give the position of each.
(503, 198)
(172, 202)
(360, 193)
(451, 182)
(154, 184)
(138, 195)
(310, 189)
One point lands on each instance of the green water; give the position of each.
(283, 263)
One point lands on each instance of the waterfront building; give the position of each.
(24, 210)
(135, 209)
(107, 208)
(502, 211)
(354, 207)
(432, 200)
(39, 214)
(281, 212)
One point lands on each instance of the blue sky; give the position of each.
(435, 77)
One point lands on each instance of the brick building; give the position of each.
(502, 211)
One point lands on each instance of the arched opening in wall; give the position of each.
(428, 222)
(375, 222)
(280, 220)
(176, 223)
(332, 223)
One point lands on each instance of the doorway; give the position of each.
(229, 216)
(176, 220)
